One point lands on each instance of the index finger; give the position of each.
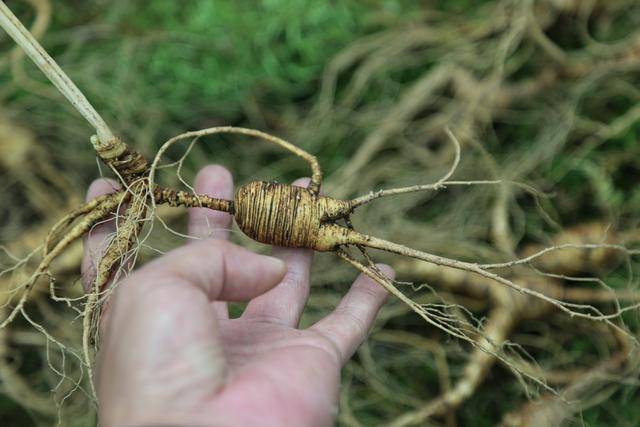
(97, 239)
(214, 181)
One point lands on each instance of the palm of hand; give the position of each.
(291, 374)
(171, 354)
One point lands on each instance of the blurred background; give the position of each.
(543, 95)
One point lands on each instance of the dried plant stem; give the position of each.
(128, 164)
(52, 70)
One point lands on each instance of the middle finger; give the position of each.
(215, 181)
(284, 303)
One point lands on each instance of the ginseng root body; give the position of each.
(290, 216)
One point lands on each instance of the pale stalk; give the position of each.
(10, 23)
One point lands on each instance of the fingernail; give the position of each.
(387, 270)
(275, 264)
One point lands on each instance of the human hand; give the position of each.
(170, 354)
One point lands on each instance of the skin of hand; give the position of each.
(170, 354)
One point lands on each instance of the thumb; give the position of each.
(220, 269)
